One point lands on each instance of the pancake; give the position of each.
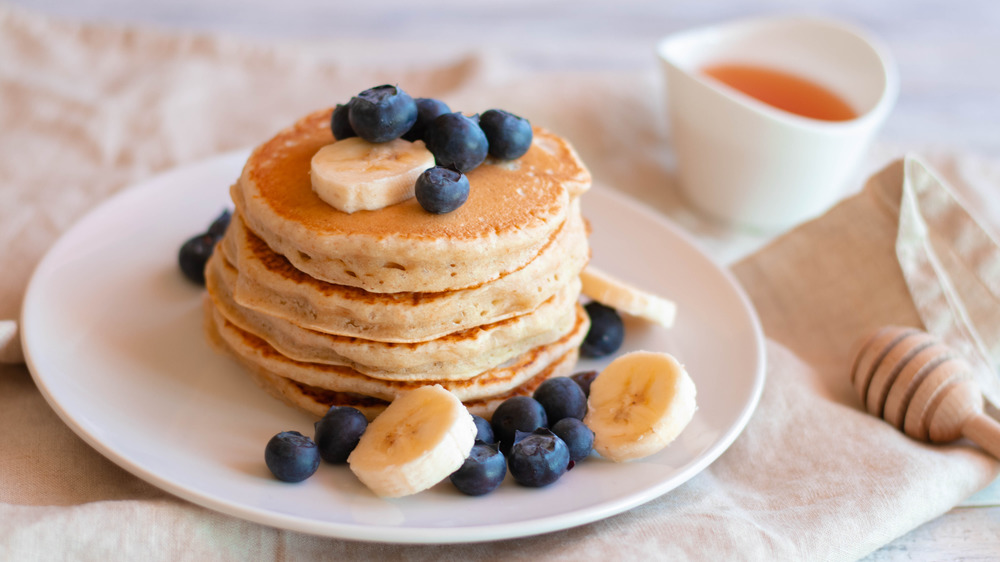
(514, 208)
(270, 284)
(459, 355)
(317, 401)
(261, 356)
(324, 307)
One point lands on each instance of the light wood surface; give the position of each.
(948, 55)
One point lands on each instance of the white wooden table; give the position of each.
(948, 55)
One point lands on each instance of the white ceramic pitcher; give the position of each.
(752, 164)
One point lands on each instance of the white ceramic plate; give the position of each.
(113, 337)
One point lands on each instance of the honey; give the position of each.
(783, 90)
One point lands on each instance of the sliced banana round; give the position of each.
(638, 404)
(417, 441)
(623, 297)
(354, 174)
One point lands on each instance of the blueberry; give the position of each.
(509, 135)
(427, 110)
(482, 472)
(382, 113)
(291, 456)
(484, 431)
(218, 227)
(194, 255)
(441, 190)
(519, 413)
(340, 123)
(584, 379)
(456, 141)
(577, 436)
(538, 459)
(338, 432)
(607, 332)
(562, 398)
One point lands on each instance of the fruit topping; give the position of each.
(584, 379)
(456, 141)
(538, 459)
(417, 441)
(354, 174)
(482, 472)
(338, 433)
(340, 123)
(218, 227)
(577, 436)
(291, 456)
(382, 113)
(484, 431)
(562, 398)
(385, 114)
(509, 136)
(441, 190)
(193, 256)
(195, 251)
(638, 404)
(518, 413)
(607, 331)
(625, 298)
(427, 110)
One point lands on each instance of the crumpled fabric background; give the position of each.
(85, 111)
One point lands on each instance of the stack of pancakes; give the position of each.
(328, 308)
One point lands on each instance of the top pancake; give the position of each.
(512, 211)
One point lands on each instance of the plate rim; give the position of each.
(365, 532)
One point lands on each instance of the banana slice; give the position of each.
(623, 297)
(354, 174)
(419, 440)
(638, 404)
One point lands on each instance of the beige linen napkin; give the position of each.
(88, 110)
(904, 251)
(10, 351)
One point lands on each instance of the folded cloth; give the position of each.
(905, 251)
(811, 477)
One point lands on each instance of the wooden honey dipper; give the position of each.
(923, 387)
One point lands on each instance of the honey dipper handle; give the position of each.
(984, 431)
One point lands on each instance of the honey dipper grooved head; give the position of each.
(916, 382)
